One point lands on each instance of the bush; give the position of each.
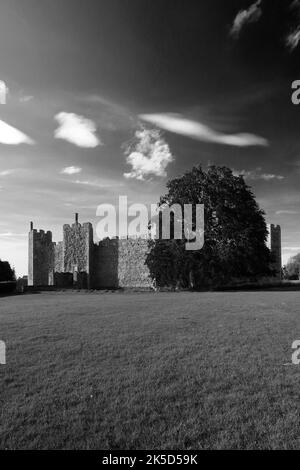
(7, 287)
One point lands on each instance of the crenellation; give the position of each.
(40, 257)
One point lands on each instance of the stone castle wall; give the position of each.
(105, 264)
(121, 263)
(58, 258)
(132, 268)
(77, 261)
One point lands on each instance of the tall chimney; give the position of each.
(76, 218)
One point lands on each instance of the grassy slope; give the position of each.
(151, 371)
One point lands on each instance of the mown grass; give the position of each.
(150, 371)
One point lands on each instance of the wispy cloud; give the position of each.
(6, 172)
(12, 235)
(26, 98)
(249, 15)
(76, 129)
(149, 155)
(291, 248)
(180, 125)
(9, 135)
(253, 14)
(269, 177)
(257, 175)
(93, 183)
(71, 170)
(287, 212)
(293, 38)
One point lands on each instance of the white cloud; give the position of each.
(71, 170)
(6, 172)
(9, 135)
(180, 125)
(257, 175)
(250, 15)
(76, 129)
(150, 155)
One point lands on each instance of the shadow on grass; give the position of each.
(278, 287)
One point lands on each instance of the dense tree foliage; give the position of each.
(6, 272)
(235, 232)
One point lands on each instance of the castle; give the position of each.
(112, 263)
(78, 261)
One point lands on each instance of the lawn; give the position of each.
(150, 371)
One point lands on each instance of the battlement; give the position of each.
(106, 242)
(78, 226)
(41, 235)
(276, 228)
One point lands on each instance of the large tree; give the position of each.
(235, 232)
(6, 272)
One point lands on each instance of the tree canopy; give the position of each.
(235, 232)
(6, 272)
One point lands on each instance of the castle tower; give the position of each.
(77, 249)
(274, 244)
(40, 257)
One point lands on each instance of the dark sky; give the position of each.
(83, 77)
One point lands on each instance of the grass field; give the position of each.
(150, 371)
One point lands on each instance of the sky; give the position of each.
(103, 98)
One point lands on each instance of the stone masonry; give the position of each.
(78, 261)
